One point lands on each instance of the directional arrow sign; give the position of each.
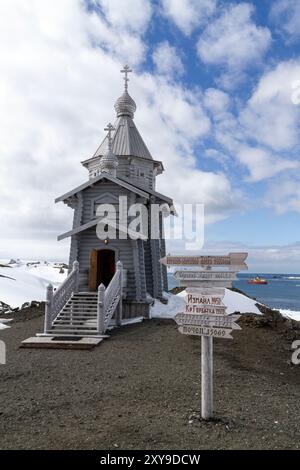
(205, 331)
(219, 321)
(202, 299)
(206, 284)
(205, 275)
(230, 260)
(205, 309)
(217, 292)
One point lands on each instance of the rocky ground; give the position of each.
(140, 389)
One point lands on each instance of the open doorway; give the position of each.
(102, 267)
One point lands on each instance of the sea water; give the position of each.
(281, 292)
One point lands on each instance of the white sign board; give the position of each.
(232, 259)
(219, 321)
(205, 275)
(205, 284)
(217, 291)
(205, 309)
(200, 299)
(214, 332)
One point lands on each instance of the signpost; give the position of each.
(205, 331)
(205, 312)
(205, 275)
(220, 321)
(196, 298)
(236, 260)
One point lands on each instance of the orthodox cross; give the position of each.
(109, 129)
(126, 70)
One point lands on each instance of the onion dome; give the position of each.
(109, 161)
(125, 105)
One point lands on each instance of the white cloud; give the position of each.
(233, 41)
(286, 13)
(216, 101)
(262, 258)
(167, 61)
(218, 156)
(59, 75)
(130, 14)
(263, 164)
(284, 194)
(189, 14)
(263, 134)
(270, 116)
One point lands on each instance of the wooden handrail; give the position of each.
(109, 299)
(55, 300)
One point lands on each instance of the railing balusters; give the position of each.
(101, 309)
(48, 309)
(57, 300)
(109, 299)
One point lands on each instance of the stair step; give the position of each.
(73, 332)
(88, 298)
(77, 315)
(83, 320)
(75, 325)
(69, 313)
(78, 307)
(86, 293)
(85, 296)
(64, 328)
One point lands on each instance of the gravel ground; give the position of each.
(140, 389)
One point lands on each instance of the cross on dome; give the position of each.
(125, 105)
(126, 70)
(109, 129)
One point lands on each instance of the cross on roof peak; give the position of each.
(126, 70)
(109, 128)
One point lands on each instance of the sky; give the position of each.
(217, 87)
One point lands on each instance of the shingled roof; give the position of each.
(126, 140)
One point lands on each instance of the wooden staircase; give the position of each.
(78, 317)
(71, 315)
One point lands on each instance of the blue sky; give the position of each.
(213, 82)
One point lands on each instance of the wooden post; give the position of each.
(76, 268)
(48, 309)
(119, 310)
(207, 377)
(101, 310)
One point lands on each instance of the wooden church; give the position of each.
(111, 278)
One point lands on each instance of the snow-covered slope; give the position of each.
(234, 302)
(290, 314)
(23, 282)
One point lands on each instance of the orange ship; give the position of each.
(257, 280)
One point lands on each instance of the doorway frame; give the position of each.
(93, 267)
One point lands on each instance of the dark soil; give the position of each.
(140, 389)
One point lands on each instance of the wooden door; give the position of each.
(102, 268)
(93, 270)
(106, 266)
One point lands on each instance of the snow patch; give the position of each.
(2, 325)
(23, 282)
(290, 314)
(234, 301)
